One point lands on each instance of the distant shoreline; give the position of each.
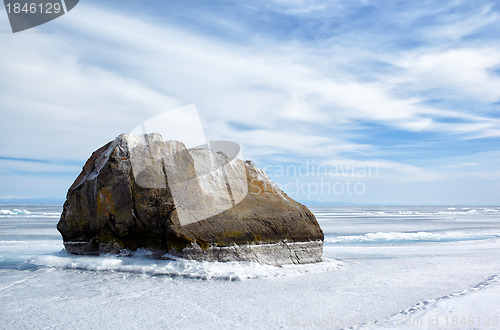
(56, 202)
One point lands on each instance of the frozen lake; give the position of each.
(398, 266)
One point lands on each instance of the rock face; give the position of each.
(143, 192)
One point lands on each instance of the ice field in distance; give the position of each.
(384, 267)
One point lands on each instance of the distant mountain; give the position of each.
(31, 200)
(317, 203)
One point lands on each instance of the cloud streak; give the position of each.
(298, 97)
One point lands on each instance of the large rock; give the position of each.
(143, 192)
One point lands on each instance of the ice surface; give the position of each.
(473, 308)
(177, 267)
(398, 237)
(14, 212)
(391, 265)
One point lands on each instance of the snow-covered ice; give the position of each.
(384, 267)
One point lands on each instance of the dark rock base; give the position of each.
(275, 254)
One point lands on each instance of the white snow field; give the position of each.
(384, 267)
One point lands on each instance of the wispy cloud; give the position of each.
(455, 26)
(303, 78)
(463, 73)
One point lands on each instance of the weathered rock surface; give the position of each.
(143, 192)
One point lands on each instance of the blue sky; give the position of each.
(399, 99)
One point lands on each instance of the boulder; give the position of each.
(143, 192)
